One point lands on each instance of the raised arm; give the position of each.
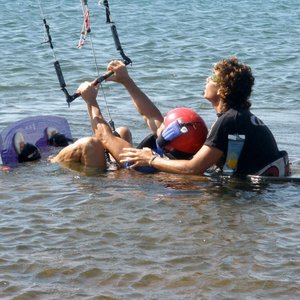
(100, 127)
(146, 108)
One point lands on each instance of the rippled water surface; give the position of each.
(120, 235)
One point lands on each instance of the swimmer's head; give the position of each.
(193, 133)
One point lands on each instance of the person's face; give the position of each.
(161, 128)
(211, 88)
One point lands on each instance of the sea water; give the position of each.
(122, 235)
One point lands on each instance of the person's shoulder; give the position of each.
(228, 116)
(238, 114)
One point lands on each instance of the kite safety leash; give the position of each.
(117, 42)
(86, 32)
(86, 29)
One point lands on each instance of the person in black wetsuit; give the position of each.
(228, 89)
(259, 149)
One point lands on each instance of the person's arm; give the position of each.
(89, 93)
(203, 159)
(146, 108)
(101, 128)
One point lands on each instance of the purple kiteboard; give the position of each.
(34, 131)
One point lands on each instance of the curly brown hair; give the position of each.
(235, 82)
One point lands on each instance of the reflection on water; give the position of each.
(123, 235)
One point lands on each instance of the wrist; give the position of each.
(91, 102)
(128, 83)
(151, 161)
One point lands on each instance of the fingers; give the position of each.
(88, 90)
(119, 69)
(115, 65)
(84, 86)
(139, 157)
(136, 152)
(129, 155)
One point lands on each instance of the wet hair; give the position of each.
(235, 82)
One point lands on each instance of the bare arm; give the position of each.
(146, 108)
(100, 127)
(204, 159)
(89, 94)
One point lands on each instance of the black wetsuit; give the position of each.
(260, 147)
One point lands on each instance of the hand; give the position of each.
(139, 157)
(88, 92)
(120, 71)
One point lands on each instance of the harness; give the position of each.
(279, 167)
